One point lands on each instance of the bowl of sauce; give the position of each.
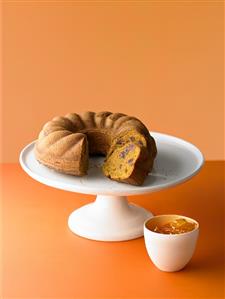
(170, 241)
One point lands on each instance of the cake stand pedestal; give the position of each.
(111, 217)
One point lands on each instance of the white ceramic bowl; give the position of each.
(169, 252)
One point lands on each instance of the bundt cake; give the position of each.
(65, 143)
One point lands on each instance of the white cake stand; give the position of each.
(111, 217)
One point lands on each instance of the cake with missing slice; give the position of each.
(65, 144)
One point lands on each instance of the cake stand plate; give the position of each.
(111, 217)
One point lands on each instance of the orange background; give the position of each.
(42, 258)
(161, 61)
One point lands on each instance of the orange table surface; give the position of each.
(42, 258)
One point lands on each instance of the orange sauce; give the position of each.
(176, 226)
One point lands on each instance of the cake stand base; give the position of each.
(109, 218)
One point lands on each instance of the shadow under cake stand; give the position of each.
(111, 217)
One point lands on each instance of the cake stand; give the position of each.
(111, 217)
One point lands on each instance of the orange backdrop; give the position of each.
(161, 61)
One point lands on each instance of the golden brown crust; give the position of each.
(64, 142)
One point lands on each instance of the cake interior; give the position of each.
(122, 152)
(120, 164)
